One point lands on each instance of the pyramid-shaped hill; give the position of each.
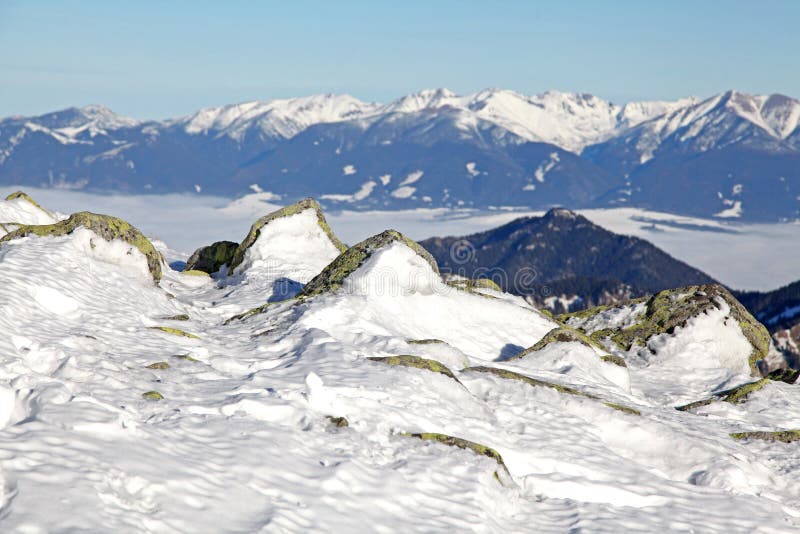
(293, 242)
(570, 255)
(18, 209)
(109, 239)
(390, 286)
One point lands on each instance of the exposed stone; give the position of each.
(332, 277)
(211, 258)
(297, 207)
(339, 422)
(511, 375)
(407, 360)
(673, 308)
(735, 395)
(174, 331)
(561, 334)
(785, 436)
(453, 441)
(105, 226)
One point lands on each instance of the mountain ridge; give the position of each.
(732, 155)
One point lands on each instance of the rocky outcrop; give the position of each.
(332, 277)
(407, 360)
(673, 308)
(293, 209)
(209, 259)
(562, 334)
(104, 226)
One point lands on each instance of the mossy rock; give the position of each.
(736, 395)
(25, 196)
(158, 366)
(293, 209)
(259, 309)
(511, 375)
(785, 436)
(7, 228)
(105, 226)
(478, 283)
(211, 258)
(453, 441)
(179, 317)
(407, 360)
(560, 334)
(332, 277)
(582, 314)
(338, 422)
(788, 376)
(174, 331)
(623, 409)
(153, 395)
(616, 360)
(195, 272)
(673, 308)
(424, 341)
(184, 357)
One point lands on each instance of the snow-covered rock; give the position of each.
(382, 398)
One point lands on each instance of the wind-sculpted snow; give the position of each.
(290, 420)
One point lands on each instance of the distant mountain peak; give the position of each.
(562, 214)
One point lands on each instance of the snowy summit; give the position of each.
(290, 383)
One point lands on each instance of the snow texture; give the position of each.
(238, 437)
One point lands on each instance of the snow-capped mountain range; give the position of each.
(731, 155)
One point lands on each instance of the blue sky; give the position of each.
(159, 59)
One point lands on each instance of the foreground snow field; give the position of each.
(189, 405)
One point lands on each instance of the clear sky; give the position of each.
(153, 59)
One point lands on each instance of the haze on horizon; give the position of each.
(154, 60)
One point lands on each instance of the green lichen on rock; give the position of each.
(560, 334)
(25, 196)
(159, 366)
(153, 395)
(338, 422)
(736, 395)
(196, 272)
(471, 285)
(293, 209)
(511, 375)
(461, 443)
(788, 376)
(179, 317)
(673, 308)
(616, 360)
(624, 409)
(332, 277)
(174, 331)
(424, 341)
(785, 436)
(259, 309)
(184, 357)
(105, 226)
(407, 360)
(581, 314)
(211, 258)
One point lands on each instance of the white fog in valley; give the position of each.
(746, 256)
